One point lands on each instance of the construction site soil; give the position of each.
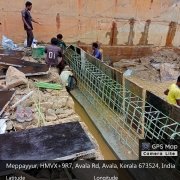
(155, 72)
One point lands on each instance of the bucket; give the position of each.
(38, 52)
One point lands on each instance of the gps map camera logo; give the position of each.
(146, 146)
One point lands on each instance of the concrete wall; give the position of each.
(90, 20)
(116, 53)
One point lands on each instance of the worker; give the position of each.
(61, 43)
(27, 20)
(54, 55)
(173, 93)
(96, 53)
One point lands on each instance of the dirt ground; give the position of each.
(155, 73)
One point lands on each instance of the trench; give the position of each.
(105, 149)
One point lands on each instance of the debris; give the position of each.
(48, 85)
(15, 78)
(19, 126)
(41, 69)
(46, 105)
(128, 72)
(3, 126)
(156, 66)
(16, 62)
(59, 103)
(167, 72)
(70, 103)
(9, 125)
(5, 98)
(24, 114)
(71, 83)
(11, 53)
(152, 64)
(51, 115)
(64, 76)
(23, 99)
(9, 44)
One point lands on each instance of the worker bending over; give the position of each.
(54, 55)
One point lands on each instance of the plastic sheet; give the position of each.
(9, 44)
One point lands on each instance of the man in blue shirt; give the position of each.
(96, 53)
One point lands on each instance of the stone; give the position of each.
(31, 127)
(66, 113)
(59, 102)
(69, 112)
(3, 87)
(51, 115)
(168, 72)
(28, 103)
(15, 78)
(53, 75)
(46, 105)
(19, 127)
(62, 116)
(9, 125)
(70, 103)
(59, 111)
(63, 93)
(13, 116)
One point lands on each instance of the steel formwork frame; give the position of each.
(130, 120)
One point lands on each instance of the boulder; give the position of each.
(15, 78)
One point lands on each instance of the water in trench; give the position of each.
(105, 149)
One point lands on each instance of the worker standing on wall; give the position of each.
(27, 20)
(173, 93)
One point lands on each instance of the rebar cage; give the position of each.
(124, 114)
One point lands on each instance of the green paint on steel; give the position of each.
(130, 119)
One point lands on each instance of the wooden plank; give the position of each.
(5, 98)
(59, 142)
(11, 61)
(29, 71)
(163, 106)
(132, 111)
(12, 53)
